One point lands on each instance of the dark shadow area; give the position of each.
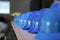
(35, 5)
(47, 3)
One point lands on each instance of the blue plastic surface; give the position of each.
(50, 24)
(29, 20)
(37, 21)
(23, 19)
(16, 21)
(48, 36)
(55, 5)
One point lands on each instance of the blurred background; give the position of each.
(22, 6)
(27, 5)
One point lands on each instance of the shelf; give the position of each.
(22, 34)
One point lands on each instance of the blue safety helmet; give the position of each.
(29, 20)
(55, 5)
(36, 21)
(50, 25)
(23, 19)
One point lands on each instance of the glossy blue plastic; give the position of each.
(37, 21)
(23, 19)
(50, 24)
(29, 20)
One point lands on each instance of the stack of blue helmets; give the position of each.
(36, 21)
(50, 24)
(29, 20)
(23, 19)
